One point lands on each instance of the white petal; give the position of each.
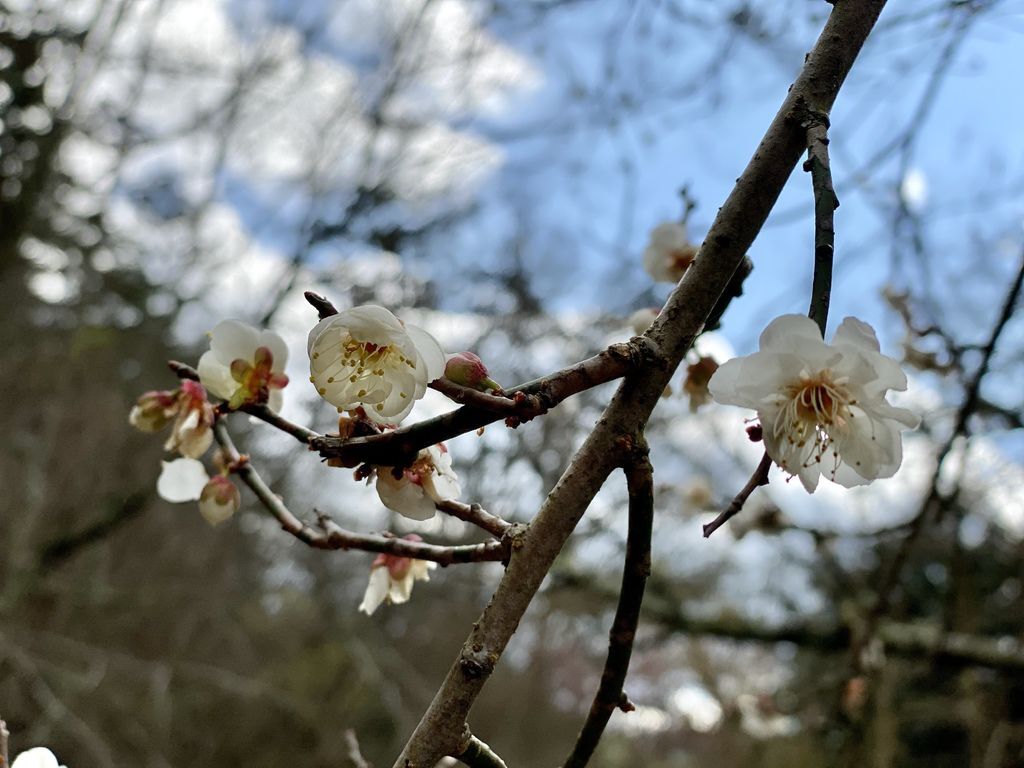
(37, 757)
(421, 569)
(403, 496)
(234, 340)
(275, 400)
(181, 480)
(401, 589)
(857, 333)
(215, 513)
(216, 376)
(277, 347)
(431, 353)
(668, 236)
(786, 330)
(376, 590)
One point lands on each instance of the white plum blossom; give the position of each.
(669, 252)
(428, 480)
(37, 757)
(392, 578)
(244, 365)
(822, 406)
(184, 480)
(187, 407)
(366, 357)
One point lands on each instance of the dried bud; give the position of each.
(467, 369)
(219, 500)
(696, 385)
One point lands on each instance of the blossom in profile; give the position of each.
(669, 252)
(822, 407)
(37, 757)
(468, 369)
(244, 365)
(366, 357)
(392, 578)
(190, 412)
(417, 489)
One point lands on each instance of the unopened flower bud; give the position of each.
(219, 500)
(467, 369)
(153, 411)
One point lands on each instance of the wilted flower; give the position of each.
(244, 365)
(392, 578)
(154, 410)
(430, 479)
(641, 320)
(822, 407)
(468, 369)
(37, 757)
(696, 383)
(669, 253)
(365, 356)
(219, 500)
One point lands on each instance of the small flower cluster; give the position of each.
(371, 366)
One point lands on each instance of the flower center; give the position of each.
(815, 406)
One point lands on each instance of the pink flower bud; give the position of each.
(467, 369)
(219, 500)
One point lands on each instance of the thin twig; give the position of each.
(477, 754)
(329, 535)
(815, 123)
(396, 447)
(524, 406)
(825, 204)
(324, 308)
(759, 478)
(355, 757)
(476, 515)
(635, 570)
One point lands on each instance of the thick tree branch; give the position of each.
(635, 570)
(329, 535)
(738, 221)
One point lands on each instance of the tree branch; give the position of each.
(738, 221)
(477, 754)
(476, 515)
(329, 535)
(635, 570)
(759, 478)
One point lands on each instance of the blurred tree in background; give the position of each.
(495, 167)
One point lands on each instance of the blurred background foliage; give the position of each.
(491, 169)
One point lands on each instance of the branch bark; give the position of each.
(635, 570)
(738, 221)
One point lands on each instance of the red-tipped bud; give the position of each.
(467, 369)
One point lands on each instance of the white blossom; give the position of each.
(669, 252)
(428, 480)
(187, 407)
(37, 757)
(392, 578)
(822, 406)
(219, 499)
(641, 320)
(366, 357)
(244, 365)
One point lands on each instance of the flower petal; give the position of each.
(431, 353)
(181, 480)
(216, 376)
(403, 496)
(234, 340)
(376, 590)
